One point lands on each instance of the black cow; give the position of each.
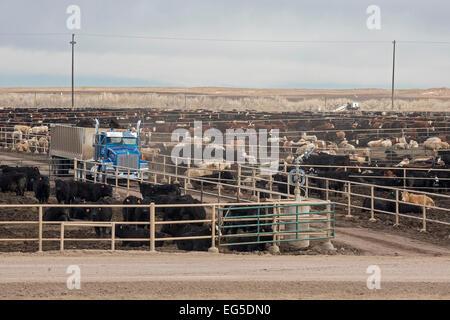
(31, 173)
(92, 191)
(42, 189)
(101, 214)
(280, 182)
(14, 182)
(149, 190)
(55, 214)
(404, 207)
(195, 244)
(327, 159)
(182, 213)
(80, 213)
(63, 191)
(422, 180)
(333, 185)
(130, 232)
(129, 213)
(225, 177)
(378, 204)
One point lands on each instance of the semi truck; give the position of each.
(108, 148)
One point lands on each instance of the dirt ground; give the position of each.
(140, 275)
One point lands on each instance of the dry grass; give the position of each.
(270, 100)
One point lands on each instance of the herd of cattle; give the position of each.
(345, 131)
(340, 140)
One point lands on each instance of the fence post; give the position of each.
(396, 208)
(61, 243)
(95, 173)
(164, 179)
(270, 186)
(349, 201)
(404, 178)
(213, 248)
(274, 248)
(306, 187)
(113, 236)
(254, 197)
(288, 184)
(40, 229)
(327, 245)
(219, 189)
(152, 227)
(75, 168)
(84, 173)
(372, 218)
(176, 171)
(201, 191)
(327, 182)
(189, 185)
(239, 194)
(424, 212)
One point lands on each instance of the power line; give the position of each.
(102, 35)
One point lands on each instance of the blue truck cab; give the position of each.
(119, 148)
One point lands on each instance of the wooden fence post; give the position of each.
(164, 180)
(40, 229)
(270, 186)
(254, 197)
(61, 243)
(424, 212)
(306, 187)
(176, 171)
(213, 248)
(372, 218)
(349, 201)
(152, 227)
(396, 209)
(113, 236)
(75, 168)
(201, 191)
(238, 196)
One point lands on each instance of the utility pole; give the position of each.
(393, 73)
(73, 45)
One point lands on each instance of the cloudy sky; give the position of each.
(116, 44)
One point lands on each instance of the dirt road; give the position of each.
(142, 275)
(371, 242)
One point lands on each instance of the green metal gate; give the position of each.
(261, 224)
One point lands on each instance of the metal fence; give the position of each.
(348, 192)
(276, 214)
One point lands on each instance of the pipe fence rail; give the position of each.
(323, 187)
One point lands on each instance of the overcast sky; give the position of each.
(44, 60)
